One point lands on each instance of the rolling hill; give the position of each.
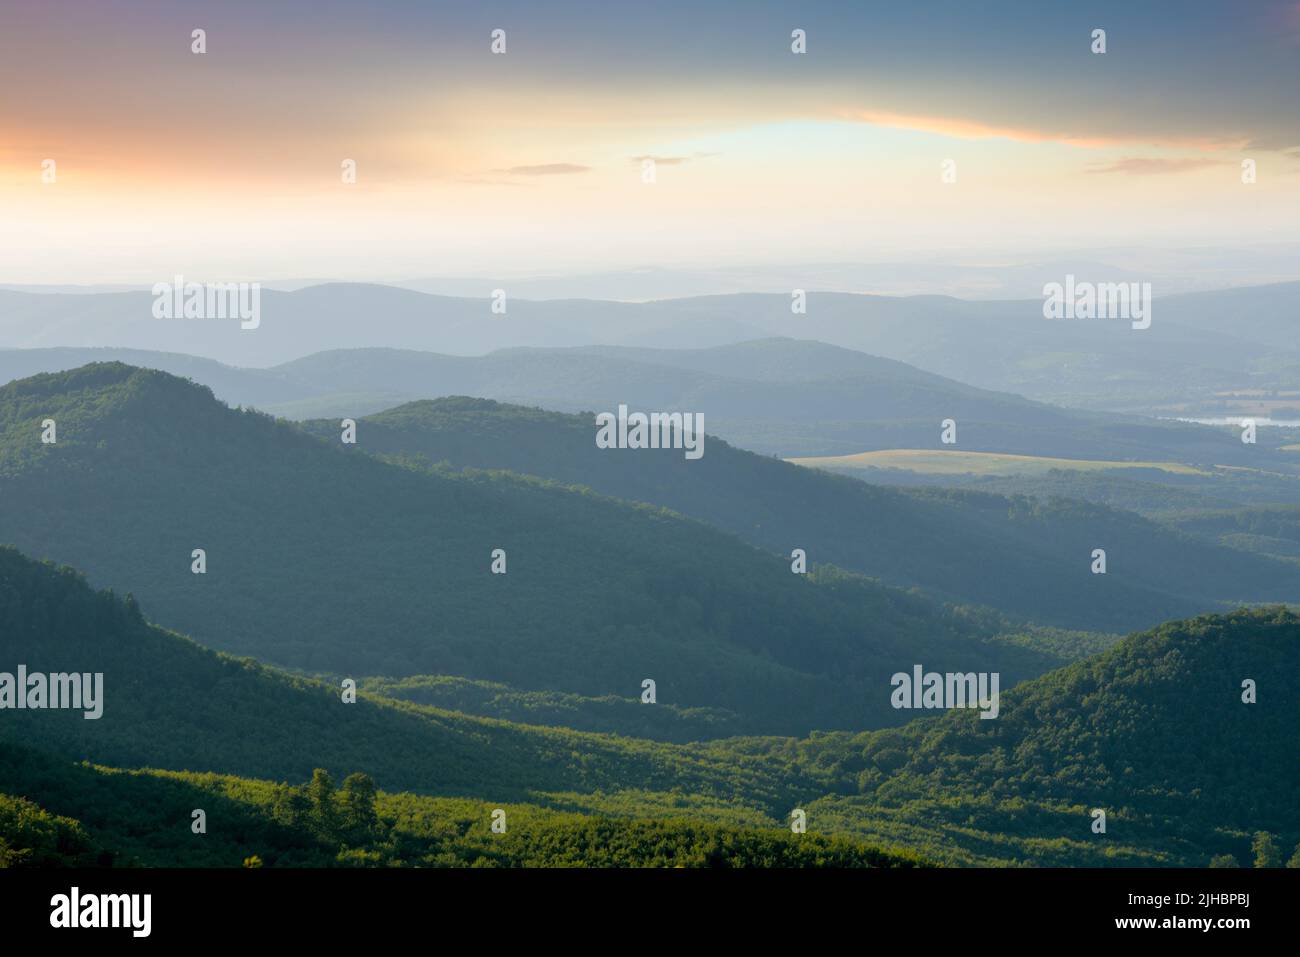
(1019, 555)
(338, 563)
(1155, 732)
(185, 712)
(170, 703)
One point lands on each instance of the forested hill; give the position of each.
(89, 816)
(1154, 732)
(1022, 556)
(342, 563)
(169, 703)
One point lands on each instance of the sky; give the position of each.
(228, 164)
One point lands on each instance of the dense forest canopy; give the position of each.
(1154, 732)
(329, 562)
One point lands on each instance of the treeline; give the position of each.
(146, 819)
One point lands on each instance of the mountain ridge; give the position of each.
(1033, 556)
(147, 468)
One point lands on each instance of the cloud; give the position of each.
(485, 181)
(967, 129)
(671, 160)
(545, 169)
(1141, 166)
(1291, 154)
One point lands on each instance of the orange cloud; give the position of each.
(1143, 166)
(671, 160)
(545, 169)
(967, 129)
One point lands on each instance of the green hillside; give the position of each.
(1020, 555)
(170, 703)
(1154, 732)
(114, 818)
(626, 716)
(1272, 530)
(330, 562)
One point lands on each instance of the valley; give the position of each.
(493, 692)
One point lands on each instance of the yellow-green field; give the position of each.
(936, 462)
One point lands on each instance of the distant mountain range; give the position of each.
(779, 396)
(1199, 343)
(1009, 276)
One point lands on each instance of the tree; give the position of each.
(291, 806)
(1295, 858)
(324, 812)
(133, 611)
(9, 857)
(357, 797)
(1224, 860)
(1266, 852)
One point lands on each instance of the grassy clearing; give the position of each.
(936, 462)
